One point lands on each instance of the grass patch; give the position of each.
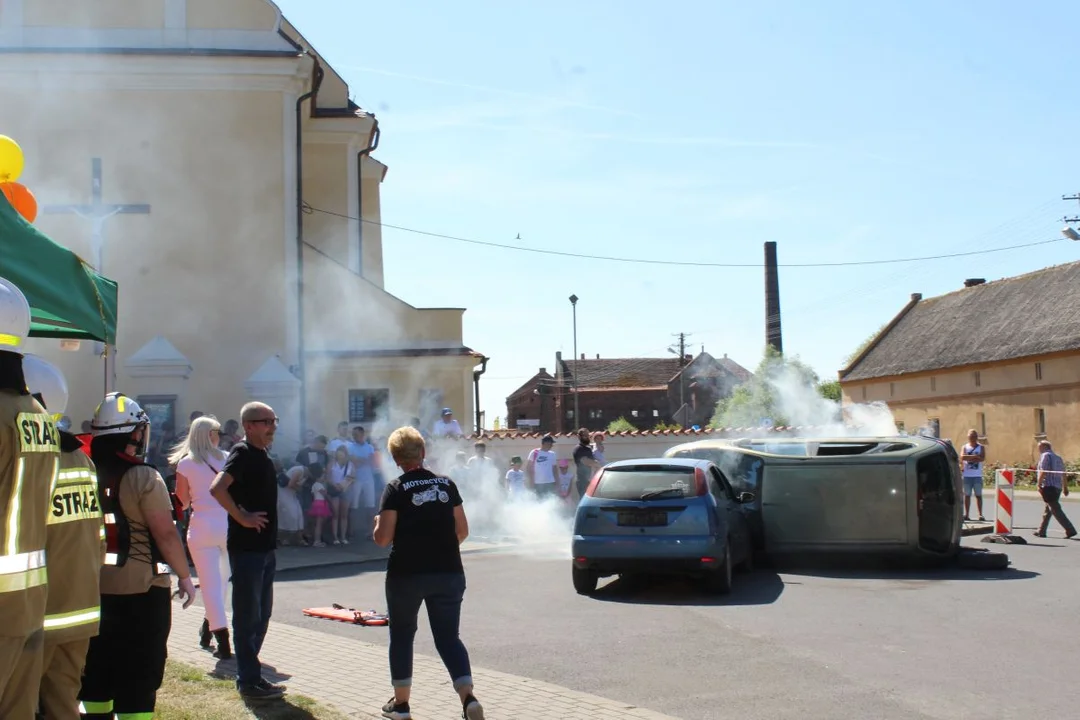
(188, 693)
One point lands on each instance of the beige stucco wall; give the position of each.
(208, 259)
(231, 15)
(1007, 396)
(328, 404)
(371, 208)
(325, 172)
(101, 14)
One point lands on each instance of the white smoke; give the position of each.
(526, 526)
(797, 399)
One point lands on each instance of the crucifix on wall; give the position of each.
(98, 212)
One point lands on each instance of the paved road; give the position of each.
(945, 645)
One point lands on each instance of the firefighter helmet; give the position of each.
(14, 316)
(120, 415)
(45, 379)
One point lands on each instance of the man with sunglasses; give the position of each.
(247, 488)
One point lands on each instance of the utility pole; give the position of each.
(1068, 231)
(682, 366)
(577, 418)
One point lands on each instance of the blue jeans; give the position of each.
(442, 593)
(252, 605)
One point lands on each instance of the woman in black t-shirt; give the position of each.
(421, 515)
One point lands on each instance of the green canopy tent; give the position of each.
(68, 300)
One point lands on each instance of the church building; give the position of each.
(205, 156)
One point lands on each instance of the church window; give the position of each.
(368, 405)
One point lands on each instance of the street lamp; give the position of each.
(1070, 233)
(577, 418)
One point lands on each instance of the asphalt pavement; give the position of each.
(889, 645)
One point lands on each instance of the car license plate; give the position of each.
(643, 518)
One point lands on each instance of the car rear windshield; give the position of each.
(631, 483)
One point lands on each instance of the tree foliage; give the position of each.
(620, 425)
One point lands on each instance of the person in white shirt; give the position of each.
(447, 426)
(542, 468)
(972, 457)
(515, 479)
(362, 492)
(340, 440)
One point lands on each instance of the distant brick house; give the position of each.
(644, 391)
(1002, 358)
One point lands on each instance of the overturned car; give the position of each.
(862, 495)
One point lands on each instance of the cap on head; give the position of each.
(45, 379)
(447, 411)
(14, 316)
(547, 439)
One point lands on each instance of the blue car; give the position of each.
(661, 516)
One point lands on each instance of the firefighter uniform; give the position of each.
(126, 660)
(76, 549)
(29, 460)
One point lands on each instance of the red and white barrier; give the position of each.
(1003, 488)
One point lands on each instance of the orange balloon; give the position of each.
(21, 199)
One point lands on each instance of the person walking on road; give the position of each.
(1052, 485)
(421, 516)
(247, 488)
(198, 461)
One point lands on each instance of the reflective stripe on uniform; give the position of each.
(23, 571)
(71, 619)
(89, 707)
(10, 340)
(76, 476)
(135, 716)
(24, 580)
(14, 507)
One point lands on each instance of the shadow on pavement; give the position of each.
(280, 709)
(878, 568)
(761, 587)
(330, 572)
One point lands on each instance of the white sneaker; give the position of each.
(473, 711)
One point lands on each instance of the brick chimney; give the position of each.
(773, 334)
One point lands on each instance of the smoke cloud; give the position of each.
(798, 400)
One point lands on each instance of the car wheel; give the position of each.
(584, 581)
(719, 580)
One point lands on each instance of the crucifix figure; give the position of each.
(97, 212)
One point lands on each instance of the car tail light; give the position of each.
(581, 559)
(593, 483)
(701, 485)
(708, 561)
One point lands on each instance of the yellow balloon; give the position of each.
(11, 160)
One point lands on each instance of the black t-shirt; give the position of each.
(584, 472)
(255, 489)
(425, 537)
(309, 458)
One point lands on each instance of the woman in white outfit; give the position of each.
(198, 461)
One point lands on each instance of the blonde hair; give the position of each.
(197, 444)
(406, 446)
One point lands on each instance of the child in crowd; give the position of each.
(320, 509)
(290, 514)
(565, 477)
(515, 479)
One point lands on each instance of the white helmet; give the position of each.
(44, 378)
(14, 316)
(120, 415)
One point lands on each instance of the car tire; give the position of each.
(584, 581)
(719, 581)
(747, 565)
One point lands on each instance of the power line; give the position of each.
(308, 209)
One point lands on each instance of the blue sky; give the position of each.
(845, 131)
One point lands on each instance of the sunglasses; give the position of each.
(266, 421)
